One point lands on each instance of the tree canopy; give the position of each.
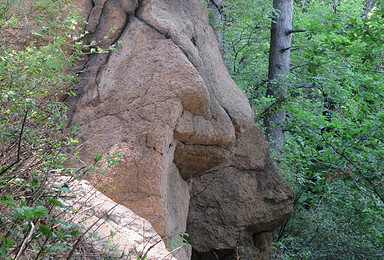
(333, 138)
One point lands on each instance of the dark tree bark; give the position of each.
(216, 6)
(336, 3)
(368, 6)
(279, 59)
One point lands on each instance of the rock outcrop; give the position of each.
(191, 153)
(112, 229)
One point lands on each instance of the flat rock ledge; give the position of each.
(114, 230)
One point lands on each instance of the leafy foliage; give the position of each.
(245, 29)
(333, 133)
(35, 52)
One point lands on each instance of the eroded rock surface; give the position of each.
(166, 102)
(112, 229)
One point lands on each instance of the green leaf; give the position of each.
(39, 211)
(8, 241)
(54, 201)
(97, 157)
(3, 251)
(45, 230)
(27, 211)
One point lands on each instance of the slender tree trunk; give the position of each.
(368, 6)
(215, 6)
(336, 3)
(279, 59)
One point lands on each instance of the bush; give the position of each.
(36, 49)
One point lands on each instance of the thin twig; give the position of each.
(288, 32)
(19, 145)
(342, 154)
(170, 253)
(105, 214)
(22, 248)
(268, 108)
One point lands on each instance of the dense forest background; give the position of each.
(332, 98)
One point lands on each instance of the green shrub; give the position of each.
(36, 50)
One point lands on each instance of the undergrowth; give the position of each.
(37, 47)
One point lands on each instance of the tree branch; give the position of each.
(342, 154)
(288, 32)
(18, 146)
(25, 241)
(86, 231)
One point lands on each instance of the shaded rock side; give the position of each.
(235, 206)
(165, 100)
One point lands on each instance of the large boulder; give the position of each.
(191, 153)
(234, 206)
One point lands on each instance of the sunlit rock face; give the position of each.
(192, 158)
(112, 229)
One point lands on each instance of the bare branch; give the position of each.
(18, 147)
(342, 154)
(22, 248)
(288, 32)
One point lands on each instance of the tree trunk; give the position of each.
(279, 59)
(336, 3)
(368, 6)
(215, 6)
